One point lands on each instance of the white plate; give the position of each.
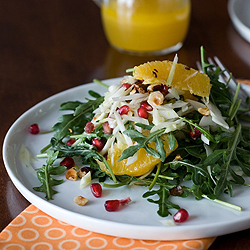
(137, 220)
(239, 12)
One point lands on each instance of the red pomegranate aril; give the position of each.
(143, 113)
(113, 205)
(181, 216)
(68, 162)
(194, 133)
(71, 141)
(123, 110)
(125, 201)
(96, 189)
(146, 106)
(34, 129)
(126, 85)
(98, 143)
(89, 127)
(106, 128)
(164, 89)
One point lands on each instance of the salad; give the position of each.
(165, 126)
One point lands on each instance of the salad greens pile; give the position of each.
(211, 169)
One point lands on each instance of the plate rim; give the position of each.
(243, 30)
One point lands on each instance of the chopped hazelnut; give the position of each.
(81, 201)
(155, 98)
(83, 171)
(176, 191)
(71, 174)
(140, 87)
(153, 87)
(178, 157)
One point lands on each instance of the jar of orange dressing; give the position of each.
(146, 27)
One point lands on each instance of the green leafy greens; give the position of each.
(211, 169)
(45, 173)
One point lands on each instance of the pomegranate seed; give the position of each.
(194, 133)
(89, 127)
(146, 106)
(71, 141)
(126, 85)
(157, 87)
(96, 189)
(164, 89)
(123, 110)
(106, 128)
(34, 129)
(181, 216)
(139, 81)
(143, 113)
(98, 143)
(113, 205)
(125, 201)
(67, 162)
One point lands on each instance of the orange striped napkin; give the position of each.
(35, 230)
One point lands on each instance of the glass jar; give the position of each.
(146, 27)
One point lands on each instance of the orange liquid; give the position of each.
(146, 25)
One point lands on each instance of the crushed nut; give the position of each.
(155, 98)
(178, 157)
(153, 87)
(176, 191)
(204, 111)
(83, 171)
(71, 174)
(81, 201)
(140, 87)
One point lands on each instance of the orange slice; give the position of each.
(185, 78)
(144, 163)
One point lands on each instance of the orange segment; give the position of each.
(185, 78)
(141, 166)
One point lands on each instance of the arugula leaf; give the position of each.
(144, 126)
(130, 151)
(142, 142)
(225, 158)
(160, 148)
(214, 157)
(44, 175)
(70, 123)
(163, 201)
(171, 141)
(85, 151)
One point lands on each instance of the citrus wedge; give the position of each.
(184, 78)
(144, 163)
